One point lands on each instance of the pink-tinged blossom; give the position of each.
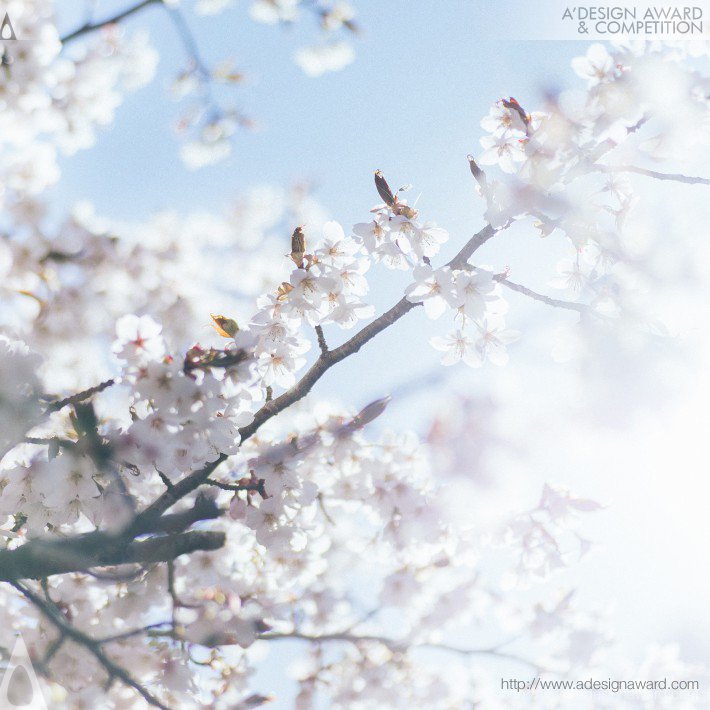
(138, 340)
(493, 338)
(505, 151)
(485, 340)
(278, 366)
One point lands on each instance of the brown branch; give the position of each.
(270, 409)
(321, 339)
(80, 396)
(146, 520)
(472, 245)
(257, 487)
(42, 558)
(67, 630)
(92, 27)
(675, 177)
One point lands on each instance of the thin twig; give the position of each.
(674, 177)
(93, 26)
(188, 40)
(94, 647)
(396, 645)
(80, 396)
(236, 487)
(132, 633)
(554, 302)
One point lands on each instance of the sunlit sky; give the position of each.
(410, 105)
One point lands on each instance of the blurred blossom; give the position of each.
(322, 58)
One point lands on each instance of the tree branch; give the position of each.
(80, 396)
(674, 177)
(554, 302)
(326, 360)
(66, 629)
(92, 27)
(42, 558)
(396, 645)
(321, 339)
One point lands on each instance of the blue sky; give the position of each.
(409, 105)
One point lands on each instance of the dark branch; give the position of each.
(80, 396)
(43, 558)
(92, 27)
(67, 630)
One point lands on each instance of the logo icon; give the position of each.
(7, 31)
(20, 689)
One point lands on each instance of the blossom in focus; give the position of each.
(138, 340)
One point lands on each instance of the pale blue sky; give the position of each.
(409, 105)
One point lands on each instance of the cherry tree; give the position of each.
(170, 510)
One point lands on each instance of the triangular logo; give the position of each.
(6, 29)
(20, 689)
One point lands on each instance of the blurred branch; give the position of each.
(554, 302)
(93, 26)
(181, 26)
(188, 40)
(395, 645)
(68, 630)
(50, 441)
(675, 177)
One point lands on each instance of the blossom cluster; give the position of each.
(325, 287)
(473, 297)
(54, 103)
(563, 166)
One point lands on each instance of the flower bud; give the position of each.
(370, 412)
(384, 189)
(298, 247)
